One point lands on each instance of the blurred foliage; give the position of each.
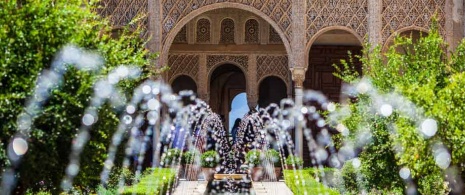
(154, 181)
(254, 157)
(422, 72)
(303, 181)
(295, 161)
(172, 157)
(31, 33)
(209, 159)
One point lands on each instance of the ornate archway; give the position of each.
(280, 21)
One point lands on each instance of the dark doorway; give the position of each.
(327, 51)
(184, 82)
(226, 82)
(272, 90)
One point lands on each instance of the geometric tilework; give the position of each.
(183, 64)
(252, 30)
(398, 14)
(181, 37)
(276, 65)
(121, 12)
(241, 60)
(352, 14)
(174, 10)
(274, 37)
(227, 31)
(203, 31)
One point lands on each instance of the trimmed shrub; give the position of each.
(210, 159)
(189, 157)
(254, 158)
(171, 157)
(274, 156)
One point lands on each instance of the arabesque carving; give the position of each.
(352, 14)
(183, 64)
(278, 10)
(121, 13)
(398, 14)
(241, 60)
(252, 31)
(203, 31)
(276, 65)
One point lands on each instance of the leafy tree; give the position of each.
(424, 74)
(31, 33)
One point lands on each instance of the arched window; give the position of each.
(203, 31)
(227, 31)
(252, 31)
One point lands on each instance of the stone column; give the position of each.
(297, 61)
(202, 77)
(252, 85)
(454, 23)
(298, 76)
(375, 22)
(154, 8)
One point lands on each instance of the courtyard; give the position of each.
(232, 97)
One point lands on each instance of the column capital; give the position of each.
(252, 100)
(298, 76)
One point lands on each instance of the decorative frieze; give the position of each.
(351, 14)
(272, 65)
(278, 10)
(183, 64)
(241, 60)
(398, 14)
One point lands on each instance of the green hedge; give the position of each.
(153, 181)
(303, 182)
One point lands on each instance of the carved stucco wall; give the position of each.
(278, 10)
(322, 14)
(183, 64)
(401, 14)
(121, 12)
(273, 65)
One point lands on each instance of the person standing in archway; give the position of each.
(234, 129)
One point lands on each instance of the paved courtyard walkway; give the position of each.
(260, 188)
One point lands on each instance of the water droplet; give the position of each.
(146, 89)
(363, 87)
(127, 119)
(429, 127)
(113, 78)
(320, 123)
(122, 71)
(404, 173)
(24, 121)
(386, 110)
(442, 159)
(356, 163)
(304, 110)
(331, 107)
(153, 104)
(103, 89)
(155, 90)
(72, 169)
(88, 119)
(20, 146)
(130, 109)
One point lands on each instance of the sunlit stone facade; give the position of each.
(272, 49)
